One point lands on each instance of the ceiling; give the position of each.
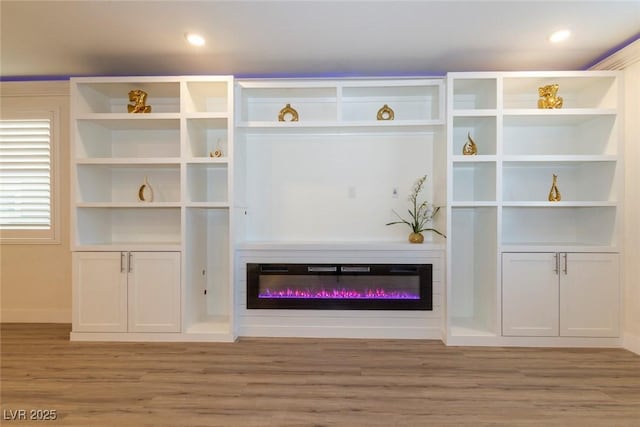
(43, 39)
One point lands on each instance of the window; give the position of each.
(27, 178)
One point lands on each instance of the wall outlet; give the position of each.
(351, 192)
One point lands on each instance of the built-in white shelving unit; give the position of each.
(173, 149)
(233, 184)
(499, 199)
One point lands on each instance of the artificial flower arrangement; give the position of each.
(421, 214)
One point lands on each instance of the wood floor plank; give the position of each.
(311, 382)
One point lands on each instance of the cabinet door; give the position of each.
(99, 292)
(154, 292)
(529, 294)
(589, 295)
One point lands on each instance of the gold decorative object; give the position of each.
(554, 193)
(416, 238)
(385, 113)
(139, 99)
(549, 97)
(217, 152)
(145, 192)
(470, 148)
(287, 111)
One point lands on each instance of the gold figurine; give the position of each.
(288, 110)
(139, 99)
(145, 192)
(217, 152)
(470, 148)
(549, 97)
(554, 193)
(385, 113)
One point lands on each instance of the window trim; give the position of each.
(52, 235)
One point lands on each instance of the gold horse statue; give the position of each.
(139, 99)
(549, 97)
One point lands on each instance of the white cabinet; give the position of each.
(560, 294)
(126, 292)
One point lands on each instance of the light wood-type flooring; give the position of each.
(311, 382)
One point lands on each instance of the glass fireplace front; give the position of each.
(340, 286)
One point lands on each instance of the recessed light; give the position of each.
(194, 39)
(559, 36)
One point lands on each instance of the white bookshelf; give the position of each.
(499, 199)
(170, 148)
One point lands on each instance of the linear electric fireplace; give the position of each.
(340, 286)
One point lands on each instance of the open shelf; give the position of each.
(208, 298)
(592, 181)
(207, 95)
(260, 103)
(474, 181)
(111, 95)
(561, 226)
(420, 101)
(473, 282)
(205, 136)
(207, 182)
(126, 138)
(121, 182)
(557, 134)
(482, 130)
(474, 93)
(108, 226)
(597, 90)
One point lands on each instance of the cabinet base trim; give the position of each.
(150, 337)
(497, 341)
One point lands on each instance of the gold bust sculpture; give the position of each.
(139, 99)
(549, 97)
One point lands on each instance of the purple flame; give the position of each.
(336, 294)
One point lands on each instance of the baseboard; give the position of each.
(35, 316)
(631, 343)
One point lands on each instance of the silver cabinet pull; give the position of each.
(130, 262)
(556, 263)
(121, 262)
(565, 263)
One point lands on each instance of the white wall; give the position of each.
(35, 280)
(632, 211)
(334, 187)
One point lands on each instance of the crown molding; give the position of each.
(621, 59)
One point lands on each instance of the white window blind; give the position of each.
(25, 174)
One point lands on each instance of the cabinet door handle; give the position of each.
(556, 263)
(565, 263)
(121, 262)
(130, 262)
